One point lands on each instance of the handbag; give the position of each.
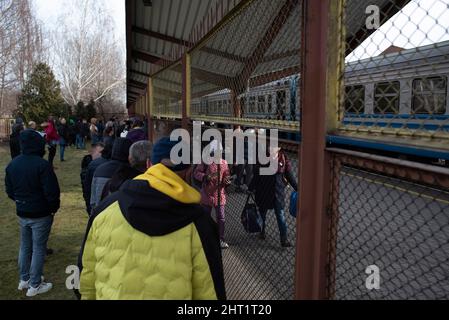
(250, 218)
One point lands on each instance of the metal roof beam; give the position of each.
(278, 56)
(139, 73)
(137, 83)
(273, 76)
(161, 36)
(148, 57)
(267, 40)
(224, 54)
(211, 77)
(135, 90)
(187, 44)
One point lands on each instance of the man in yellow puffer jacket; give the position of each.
(152, 240)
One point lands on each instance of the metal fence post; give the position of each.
(150, 93)
(321, 66)
(185, 90)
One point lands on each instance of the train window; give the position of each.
(386, 97)
(281, 98)
(261, 104)
(252, 104)
(429, 95)
(270, 103)
(227, 105)
(220, 106)
(355, 99)
(243, 105)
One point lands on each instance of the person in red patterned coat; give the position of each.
(215, 178)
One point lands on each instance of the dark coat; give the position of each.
(121, 175)
(104, 172)
(136, 135)
(83, 175)
(87, 183)
(30, 180)
(14, 140)
(84, 130)
(63, 131)
(271, 189)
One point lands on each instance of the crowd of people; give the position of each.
(57, 132)
(145, 212)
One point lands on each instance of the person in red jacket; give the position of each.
(51, 137)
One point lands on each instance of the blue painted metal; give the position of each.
(399, 125)
(390, 147)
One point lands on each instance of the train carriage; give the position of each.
(407, 89)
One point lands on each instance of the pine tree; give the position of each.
(41, 95)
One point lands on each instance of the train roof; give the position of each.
(434, 53)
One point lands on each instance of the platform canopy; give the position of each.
(235, 43)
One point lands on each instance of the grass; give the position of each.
(66, 235)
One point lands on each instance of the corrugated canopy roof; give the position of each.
(160, 33)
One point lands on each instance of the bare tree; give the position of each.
(21, 47)
(88, 60)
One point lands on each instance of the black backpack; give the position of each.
(250, 218)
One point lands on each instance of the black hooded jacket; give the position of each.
(30, 180)
(121, 175)
(120, 154)
(14, 140)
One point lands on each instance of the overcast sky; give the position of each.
(48, 11)
(420, 23)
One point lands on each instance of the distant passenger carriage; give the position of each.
(407, 90)
(278, 100)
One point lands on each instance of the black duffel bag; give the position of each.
(250, 218)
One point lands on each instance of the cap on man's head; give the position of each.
(162, 151)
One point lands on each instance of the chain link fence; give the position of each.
(245, 75)
(246, 72)
(167, 88)
(387, 215)
(389, 236)
(390, 229)
(258, 266)
(396, 75)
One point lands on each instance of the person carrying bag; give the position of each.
(251, 220)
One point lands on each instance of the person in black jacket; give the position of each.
(63, 132)
(139, 153)
(270, 192)
(96, 152)
(120, 155)
(14, 143)
(105, 155)
(31, 182)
